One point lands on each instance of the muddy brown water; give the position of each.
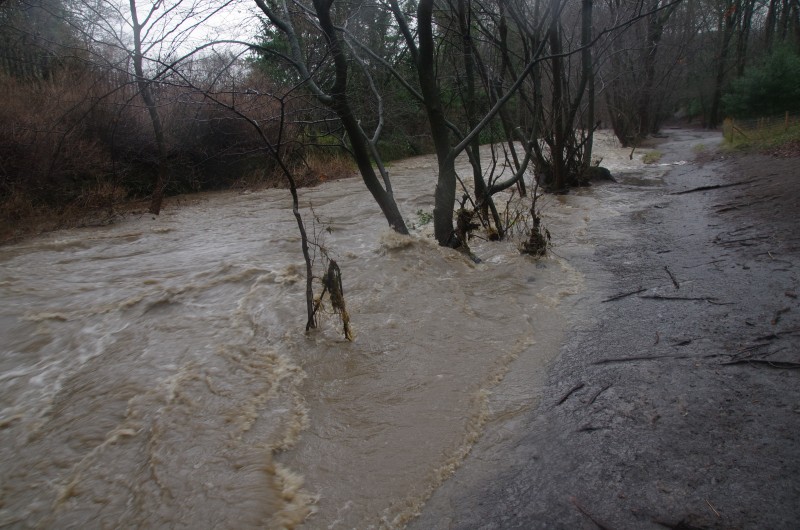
(155, 373)
(674, 401)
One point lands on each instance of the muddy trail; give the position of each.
(675, 399)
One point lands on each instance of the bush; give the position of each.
(769, 89)
(81, 141)
(46, 152)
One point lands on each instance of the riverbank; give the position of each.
(105, 204)
(674, 401)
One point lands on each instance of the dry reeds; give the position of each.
(81, 141)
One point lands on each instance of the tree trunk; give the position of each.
(558, 145)
(483, 198)
(358, 141)
(726, 24)
(654, 31)
(588, 75)
(445, 194)
(769, 24)
(146, 90)
(743, 36)
(505, 118)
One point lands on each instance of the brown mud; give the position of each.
(675, 400)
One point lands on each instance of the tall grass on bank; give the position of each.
(761, 134)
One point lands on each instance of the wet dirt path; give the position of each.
(675, 400)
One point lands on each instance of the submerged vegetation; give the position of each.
(652, 157)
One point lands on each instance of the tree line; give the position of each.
(108, 99)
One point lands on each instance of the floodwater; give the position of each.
(156, 373)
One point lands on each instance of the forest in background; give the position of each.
(106, 101)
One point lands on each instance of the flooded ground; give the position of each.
(155, 373)
(674, 401)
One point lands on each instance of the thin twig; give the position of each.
(623, 295)
(598, 394)
(581, 509)
(785, 365)
(741, 241)
(672, 277)
(681, 298)
(568, 394)
(612, 360)
(713, 509)
(778, 314)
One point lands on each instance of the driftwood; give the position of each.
(680, 298)
(785, 365)
(742, 241)
(680, 525)
(623, 295)
(778, 314)
(612, 360)
(703, 264)
(594, 397)
(591, 428)
(777, 334)
(568, 394)
(720, 208)
(672, 277)
(713, 187)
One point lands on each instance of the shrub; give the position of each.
(772, 88)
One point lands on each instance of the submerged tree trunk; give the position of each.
(445, 194)
(588, 75)
(483, 198)
(558, 144)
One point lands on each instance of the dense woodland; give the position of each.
(104, 101)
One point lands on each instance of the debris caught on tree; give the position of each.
(333, 283)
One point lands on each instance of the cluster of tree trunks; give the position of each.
(533, 78)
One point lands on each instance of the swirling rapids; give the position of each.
(155, 373)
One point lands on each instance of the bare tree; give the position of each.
(449, 142)
(319, 14)
(152, 39)
(643, 65)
